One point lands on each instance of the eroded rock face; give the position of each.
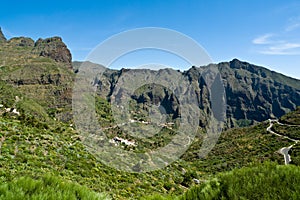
(253, 93)
(55, 49)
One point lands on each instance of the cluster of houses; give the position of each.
(118, 140)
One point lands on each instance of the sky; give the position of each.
(266, 33)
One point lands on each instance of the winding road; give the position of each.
(285, 150)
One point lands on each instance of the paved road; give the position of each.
(285, 150)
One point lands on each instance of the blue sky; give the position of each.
(265, 32)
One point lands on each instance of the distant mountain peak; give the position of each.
(237, 64)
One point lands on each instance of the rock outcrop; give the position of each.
(40, 71)
(55, 49)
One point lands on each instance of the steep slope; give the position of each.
(33, 149)
(253, 93)
(265, 182)
(248, 147)
(42, 71)
(39, 71)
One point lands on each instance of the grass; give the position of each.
(47, 187)
(295, 154)
(237, 148)
(33, 147)
(267, 181)
(28, 148)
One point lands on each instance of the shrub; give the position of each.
(46, 188)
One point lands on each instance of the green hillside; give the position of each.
(266, 181)
(34, 72)
(29, 148)
(292, 118)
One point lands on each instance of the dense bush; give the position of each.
(292, 117)
(267, 181)
(46, 188)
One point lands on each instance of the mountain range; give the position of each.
(37, 134)
(43, 71)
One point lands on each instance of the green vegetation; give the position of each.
(292, 118)
(267, 181)
(290, 131)
(46, 187)
(295, 154)
(159, 197)
(244, 122)
(237, 148)
(44, 85)
(31, 146)
(41, 140)
(28, 148)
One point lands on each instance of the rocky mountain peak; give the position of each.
(237, 64)
(55, 49)
(2, 37)
(52, 47)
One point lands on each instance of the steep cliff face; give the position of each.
(253, 93)
(256, 94)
